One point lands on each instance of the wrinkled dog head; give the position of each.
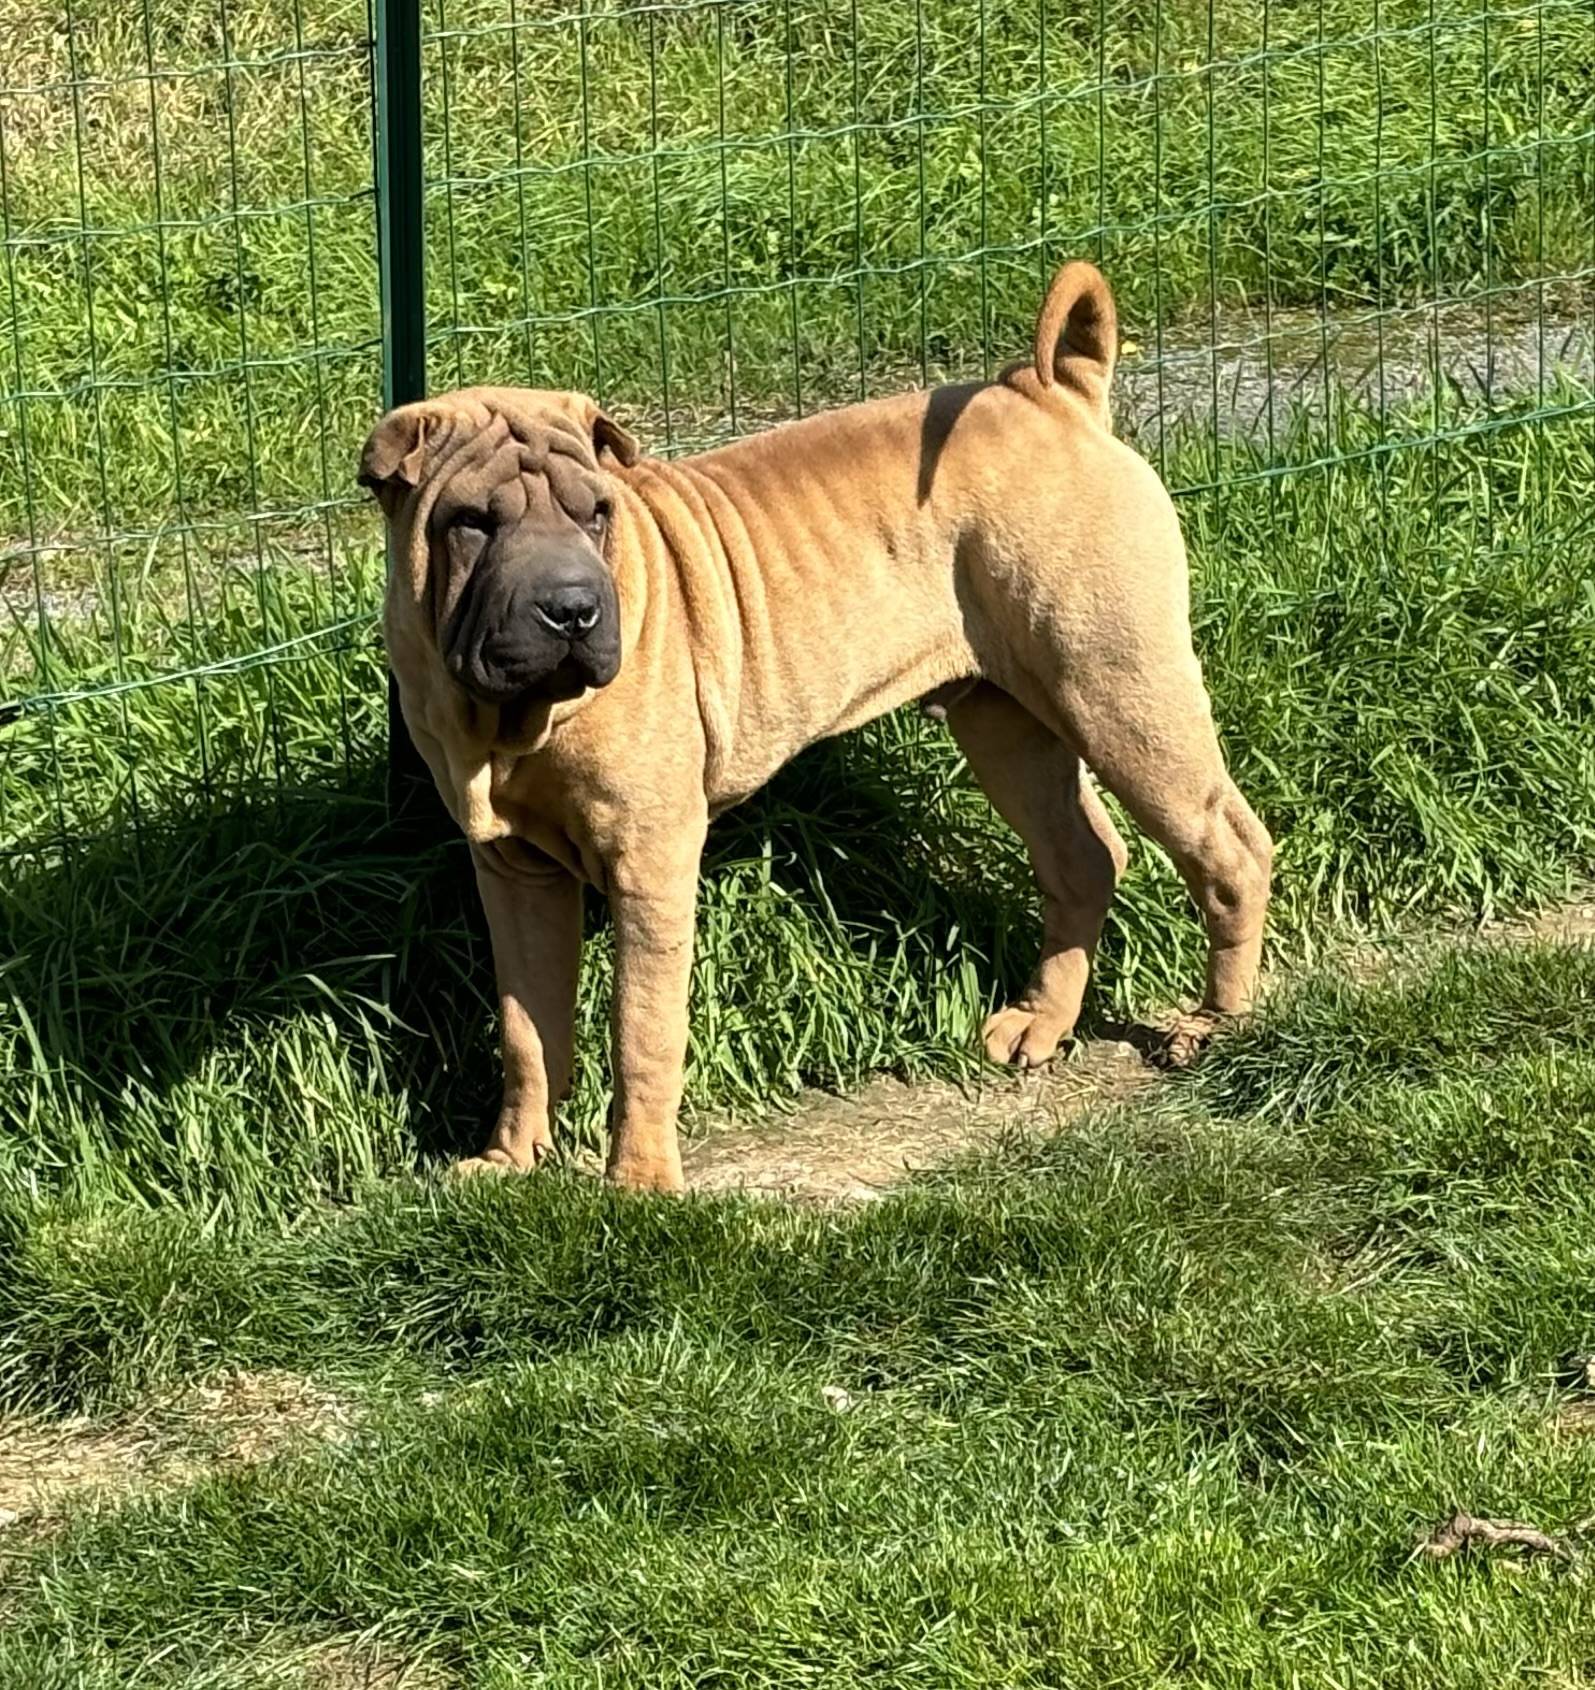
(512, 502)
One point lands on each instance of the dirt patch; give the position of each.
(48, 1465)
(1563, 924)
(289, 1662)
(249, 1417)
(1392, 956)
(344, 1664)
(1256, 377)
(1576, 1418)
(854, 1148)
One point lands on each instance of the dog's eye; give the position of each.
(468, 534)
(599, 520)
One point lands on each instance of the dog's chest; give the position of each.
(565, 809)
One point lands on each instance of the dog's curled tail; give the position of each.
(1077, 333)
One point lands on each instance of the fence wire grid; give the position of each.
(1346, 236)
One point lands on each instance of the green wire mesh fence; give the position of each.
(1347, 236)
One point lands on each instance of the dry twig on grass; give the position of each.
(1467, 1531)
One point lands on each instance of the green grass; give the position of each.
(223, 988)
(1213, 160)
(1163, 1401)
(1167, 1399)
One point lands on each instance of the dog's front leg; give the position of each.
(654, 904)
(534, 914)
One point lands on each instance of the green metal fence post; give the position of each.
(401, 256)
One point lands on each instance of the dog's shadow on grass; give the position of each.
(134, 957)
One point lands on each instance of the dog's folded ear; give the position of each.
(394, 456)
(609, 436)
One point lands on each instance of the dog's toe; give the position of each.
(1185, 1038)
(468, 1167)
(662, 1176)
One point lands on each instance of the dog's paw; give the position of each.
(657, 1175)
(1023, 1038)
(1184, 1039)
(495, 1160)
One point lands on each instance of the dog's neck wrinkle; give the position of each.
(692, 570)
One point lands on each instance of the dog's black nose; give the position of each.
(571, 612)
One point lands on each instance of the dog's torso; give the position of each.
(811, 585)
(783, 589)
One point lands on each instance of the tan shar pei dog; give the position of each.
(598, 651)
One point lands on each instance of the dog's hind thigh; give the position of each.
(1146, 729)
(1036, 784)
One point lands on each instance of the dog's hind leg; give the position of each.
(1036, 784)
(1143, 723)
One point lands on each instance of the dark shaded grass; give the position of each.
(1167, 1397)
